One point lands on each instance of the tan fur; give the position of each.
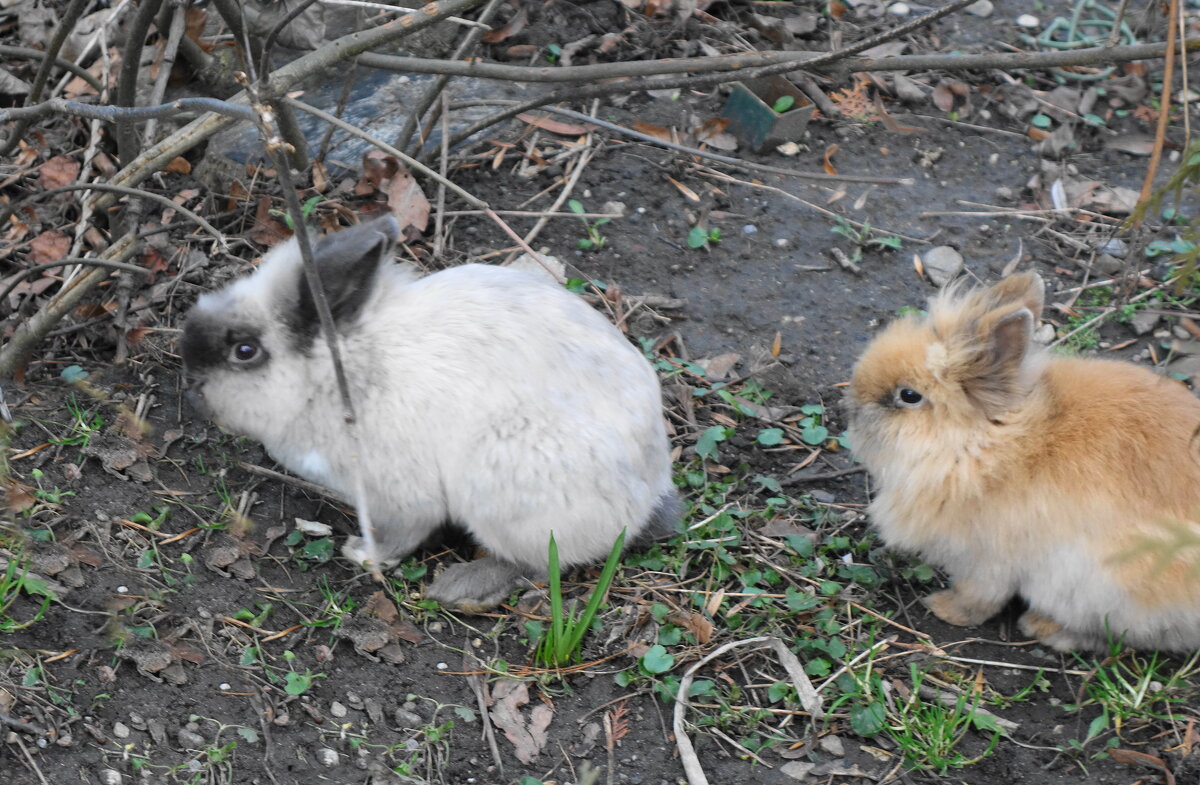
(1071, 482)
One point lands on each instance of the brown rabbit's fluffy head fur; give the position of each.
(965, 365)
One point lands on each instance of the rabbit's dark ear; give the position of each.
(347, 262)
(996, 380)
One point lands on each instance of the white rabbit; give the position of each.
(486, 397)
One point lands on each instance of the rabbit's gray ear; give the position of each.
(347, 262)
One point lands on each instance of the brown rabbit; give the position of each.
(1072, 482)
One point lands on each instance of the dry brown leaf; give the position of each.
(688, 193)
(695, 623)
(837, 9)
(408, 203)
(58, 171)
(195, 21)
(827, 160)
(650, 129)
(1037, 134)
(379, 606)
(514, 26)
(267, 231)
(520, 51)
(136, 335)
(528, 737)
(49, 246)
(179, 165)
(556, 126)
(320, 177)
(1135, 758)
(18, 497)
(1133, 143)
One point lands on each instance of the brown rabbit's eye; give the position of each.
(907, 396)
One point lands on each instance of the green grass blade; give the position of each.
(598, 593)
(554, 635)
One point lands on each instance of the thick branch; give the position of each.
(740, 62)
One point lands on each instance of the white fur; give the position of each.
(489, 397)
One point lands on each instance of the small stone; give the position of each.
(442, 666)
(899, 9)
(120, 730)
(1180, 332)
(942, 264)
(833, 745)
(407, 719)
(224, 686)
(798, 770)
(907, 90)
(354, 701)
(1114, 246)
(789, 149)
(110, 777)
(983, 9)
(327, 757)
(781, 242)
(1005, 194)
(1028, 21)
(1144, 322)
(337, 709)
(189, 739)
(121, 590)
(1109, 265)
(749, 229)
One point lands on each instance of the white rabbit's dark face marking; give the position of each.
(348, 263)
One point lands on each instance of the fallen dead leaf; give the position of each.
(688, 193)
(179, 165)
(556, 126)
(49, 246)
(58, 171)
(695, 623)
(514, 26)
(528, 737)
(650, 129)
(827, 159)
(408, 203)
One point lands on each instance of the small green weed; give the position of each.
(930, 733)
(594, 240)
(699, 237)
(864, 238)
(15, 582)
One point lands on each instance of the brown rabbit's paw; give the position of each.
(476, 586)
(1049, 632)
(954, 607)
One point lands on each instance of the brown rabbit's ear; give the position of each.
(995, 380)
(1027, 289)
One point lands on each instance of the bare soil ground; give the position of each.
(200, 634)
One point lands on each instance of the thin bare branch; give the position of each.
(8, 210)
(21, 275)
(66, 65)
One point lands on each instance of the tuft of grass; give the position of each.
(561, 641)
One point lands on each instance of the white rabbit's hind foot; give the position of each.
(476, 586)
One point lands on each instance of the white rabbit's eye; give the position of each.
(243, 351)
(908, 397)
